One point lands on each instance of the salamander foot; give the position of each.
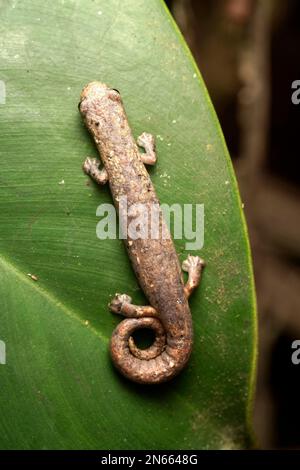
(193, 265)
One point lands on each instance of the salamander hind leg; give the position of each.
(91, 168)
(147, 141)
(143, 318)
(122, 305)
(193, 265)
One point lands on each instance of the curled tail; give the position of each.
(160, 362)
(171, 321)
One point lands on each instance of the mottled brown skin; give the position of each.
(154, 261)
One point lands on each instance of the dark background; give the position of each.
(248, 52)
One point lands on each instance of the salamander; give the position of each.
(154, 259)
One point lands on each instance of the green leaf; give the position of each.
(58, 388)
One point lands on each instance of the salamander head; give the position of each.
(97, 92)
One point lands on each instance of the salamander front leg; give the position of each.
(147, 141)
(121, 304)
(193, 265)
(91, 168)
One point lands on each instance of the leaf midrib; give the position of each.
(71, 313)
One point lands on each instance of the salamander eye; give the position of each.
(114, 95)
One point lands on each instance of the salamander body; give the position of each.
(153, 258)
